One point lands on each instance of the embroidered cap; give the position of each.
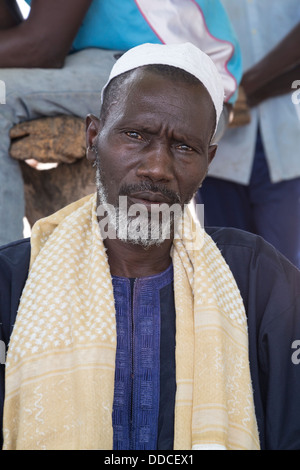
(184, 56)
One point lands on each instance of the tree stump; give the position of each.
(58, 140)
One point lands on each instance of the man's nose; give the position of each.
(156, 163)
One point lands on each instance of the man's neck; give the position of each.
(129, 260)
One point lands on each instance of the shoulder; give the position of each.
(260, 271)
(15, 255)
(227, 236)
(14, 264)
(234, 242)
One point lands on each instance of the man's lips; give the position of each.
(149, 197)
(149, 194)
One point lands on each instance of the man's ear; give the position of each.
(92, 129)
(211, 152)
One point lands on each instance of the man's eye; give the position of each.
(185, 148)
(133, 135)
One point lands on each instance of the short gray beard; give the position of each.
(135, 225)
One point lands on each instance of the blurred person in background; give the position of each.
(254, 182)
(46, 59)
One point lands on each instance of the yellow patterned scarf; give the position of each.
(61, 358)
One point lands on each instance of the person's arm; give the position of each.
(220, 43)
(45, 37)
(278, 86)
(10, 14)
(275, 73)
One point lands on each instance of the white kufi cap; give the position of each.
(184, 56)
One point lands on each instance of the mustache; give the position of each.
(128, 189)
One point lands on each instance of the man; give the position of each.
(254, 183)
(122, 342)
(45, 61)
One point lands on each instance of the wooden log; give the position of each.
(47, 191)
(49, 139)
(61, 140)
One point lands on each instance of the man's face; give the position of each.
(153, 146)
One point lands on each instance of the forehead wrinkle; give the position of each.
(134, 102)
(174, 101)
(145, 106)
